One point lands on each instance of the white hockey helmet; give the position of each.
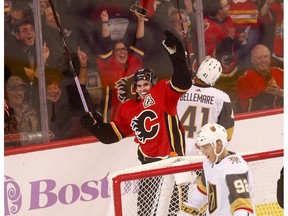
(209, 71)
(210, 134)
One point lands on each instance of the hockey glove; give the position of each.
(173, 46)
(91, 121)
(183, 177)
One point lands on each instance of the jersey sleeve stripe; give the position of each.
(106, 55)
(140, 52)
(201, 185)
(175, 135)
(242, 203)
(106, 104)
(177, 89)
(117, 132)
(230, 133)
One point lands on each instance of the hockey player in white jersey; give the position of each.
(225, 184)
(203, 103)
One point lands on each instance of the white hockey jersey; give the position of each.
(201, 105)
(228, 186)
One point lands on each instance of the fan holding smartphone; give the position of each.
(139, 10)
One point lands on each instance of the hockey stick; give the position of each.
(184, 208)
(68, 55)
(184, 37)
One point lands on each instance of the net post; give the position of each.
(117, 196)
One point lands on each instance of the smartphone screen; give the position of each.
(137, 9)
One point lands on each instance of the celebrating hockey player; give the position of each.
(226, 182)
(152, 115)
(203, 103)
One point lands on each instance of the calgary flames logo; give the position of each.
(145, 125)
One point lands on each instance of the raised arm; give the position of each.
(83, 66)
(140, 26)
(182, 77)
(265, 9)
(105, 19)
(46, 54)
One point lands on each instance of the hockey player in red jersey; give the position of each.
(226, 181)
(152, 115)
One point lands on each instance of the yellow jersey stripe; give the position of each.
(116, 131)
(178, 89)
(106, 55)
(140, 52)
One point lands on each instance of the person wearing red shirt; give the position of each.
(180, 25)
(246, 18)
(221, 38)
(117, 66)
(152, 116)
(261, 87)
(272, 12)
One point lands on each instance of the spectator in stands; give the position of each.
(63, 101)
(19, 10)
(60, 112)
(181, 27)
(43, 4)
(22, 61)
(25, 114)
(203, 103)
(261, 86)
(187, 6)
(246, 17)
(158, 60)
(58, 55)
(117, 66)
(272, 12)
(220, 40)
(10, 122)
(224, 173)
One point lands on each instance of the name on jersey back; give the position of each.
(206, 99)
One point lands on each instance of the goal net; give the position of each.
(150, 189)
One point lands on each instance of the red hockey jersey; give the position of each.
(154, 121)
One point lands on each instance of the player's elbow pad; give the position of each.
(242, 212)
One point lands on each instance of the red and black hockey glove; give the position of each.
(91, 123)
